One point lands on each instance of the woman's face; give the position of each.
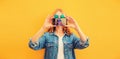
(60, 19)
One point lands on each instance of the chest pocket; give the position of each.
(50, 44)
(68, 44)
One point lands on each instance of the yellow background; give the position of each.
(21, 19)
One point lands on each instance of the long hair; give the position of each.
(65, 29)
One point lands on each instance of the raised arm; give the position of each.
(38, 40)
(46, 26)
(81, 42)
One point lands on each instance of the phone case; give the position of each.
(64, 21)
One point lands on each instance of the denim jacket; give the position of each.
(49, 41)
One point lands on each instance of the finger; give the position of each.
(52, 25)
(67, 17)
(72, 19)
(67, 25)
(49, 18)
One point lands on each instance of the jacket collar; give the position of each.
(53, 33)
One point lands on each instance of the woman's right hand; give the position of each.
(47, 25)
(48, 22)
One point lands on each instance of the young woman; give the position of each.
(59, 42)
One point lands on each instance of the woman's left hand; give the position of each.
(71, 23)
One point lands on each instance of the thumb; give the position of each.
(67, 25)
(52, 25)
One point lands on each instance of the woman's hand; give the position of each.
(71, 22)
(48, 22)
(47, 25)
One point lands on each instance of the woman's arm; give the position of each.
(38, 34)
(81, 34)
(47, 25)
(74, 25)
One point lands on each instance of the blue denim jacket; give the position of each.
(49, 41)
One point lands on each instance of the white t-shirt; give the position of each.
(60, 48)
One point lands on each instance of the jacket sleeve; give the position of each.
(39, 44)
(78, 44)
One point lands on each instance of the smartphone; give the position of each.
(58, 21)
(64, 21)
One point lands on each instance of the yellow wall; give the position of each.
(21, 19)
